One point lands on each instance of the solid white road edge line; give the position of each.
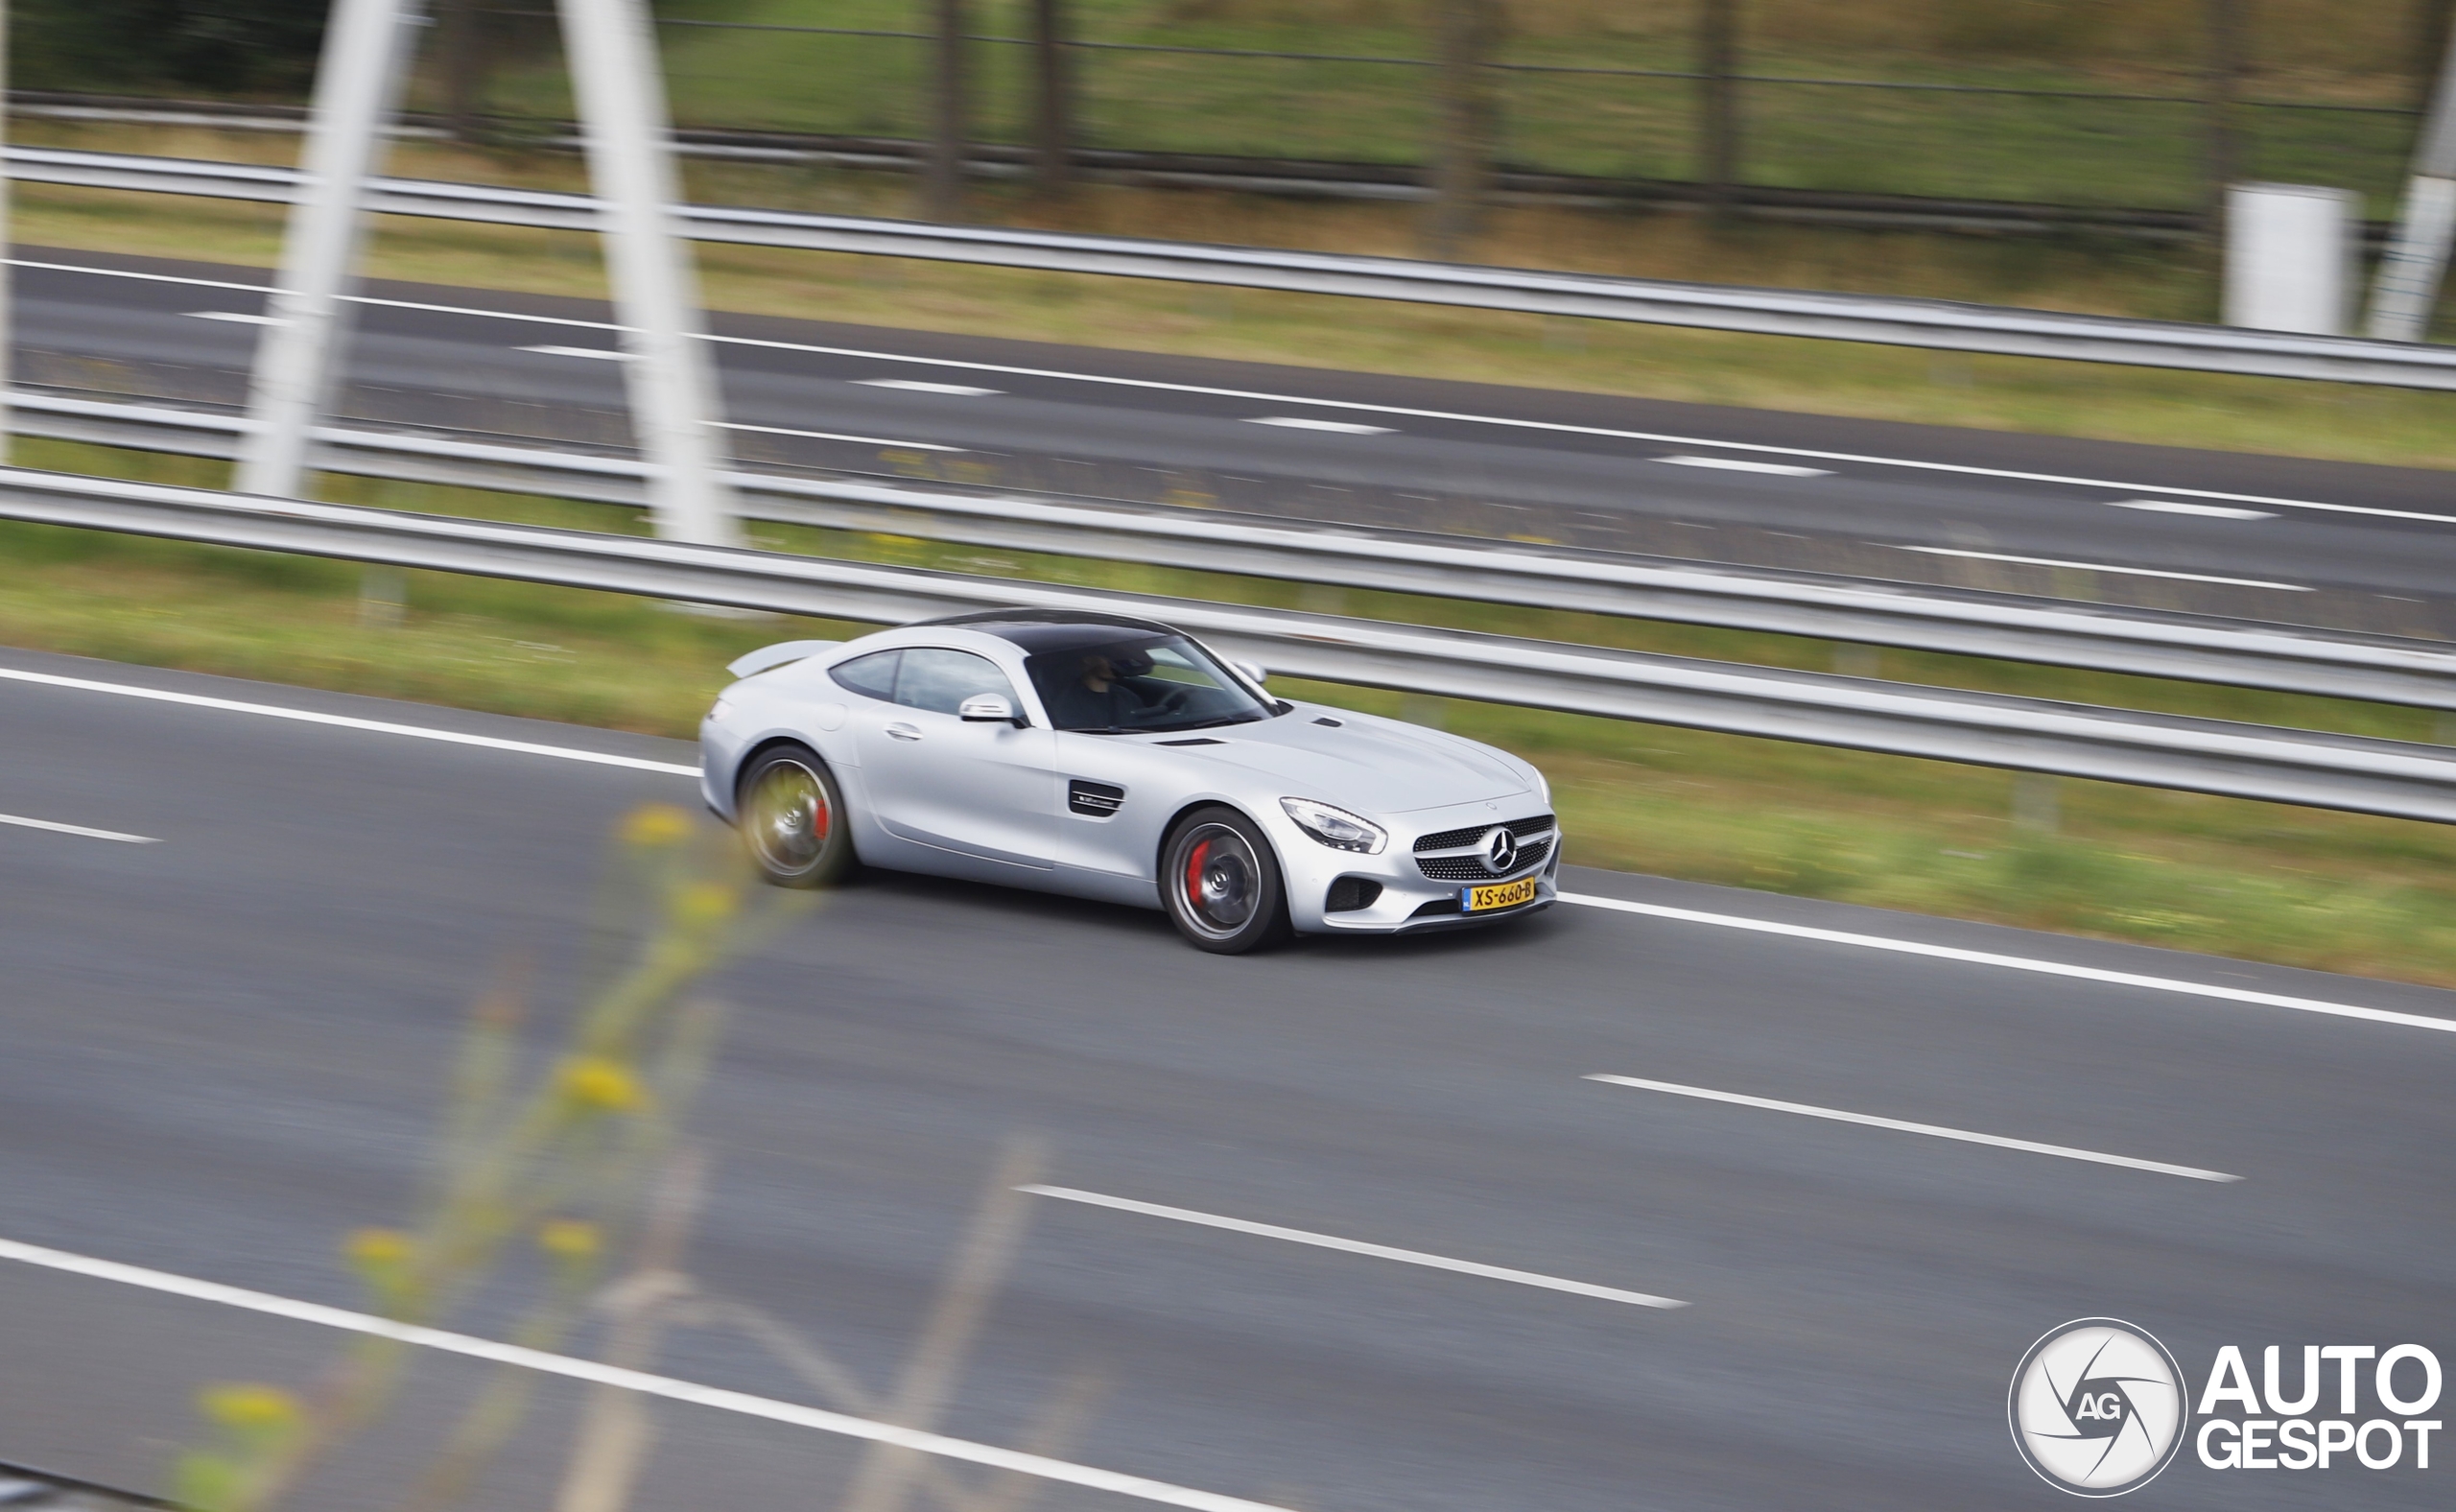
(2130, 571)
(2120, 978)
(58, 828)
(2043, 968)
(1937, 1130)
(1467, 1267)
(1558, 428)
(413, 732)
(641, 1382)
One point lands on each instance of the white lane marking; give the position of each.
(829, 435)
(598, 353)
(343, 721)
(2130, 571)
(1469, 1267)
(960, 391)
(58, 828)
(638, 1380)
(234, 317)
(2044, 968)
(1744, 465)
(1552, 427)
(1299, 422)
(1934, 1129)
(2213, 511)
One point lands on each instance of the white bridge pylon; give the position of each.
(670, 376)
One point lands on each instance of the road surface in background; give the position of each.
(2261, 537)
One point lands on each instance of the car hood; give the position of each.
(1373, 765)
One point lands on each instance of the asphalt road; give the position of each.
(2256, 536)
(224, 1049)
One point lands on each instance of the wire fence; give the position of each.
(2001, 133)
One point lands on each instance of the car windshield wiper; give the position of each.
(1210, 723)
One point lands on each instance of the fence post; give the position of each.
(2222, 67)
(358, 84)
(463, 55)
(1718, 99)
(1053, 102)
(943, 180)
(8, 322)
(1468, 33)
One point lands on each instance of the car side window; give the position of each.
(939, 681)
(872, 676)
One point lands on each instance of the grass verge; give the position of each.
(2260, 881)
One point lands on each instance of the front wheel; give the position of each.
(792, 819)
(1221, 883)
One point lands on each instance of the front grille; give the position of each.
(1451, 839)
(1471, 869)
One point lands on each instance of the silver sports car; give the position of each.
(1118, 759)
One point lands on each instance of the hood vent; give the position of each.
(1336, 724)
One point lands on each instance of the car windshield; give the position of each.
(1141, 681)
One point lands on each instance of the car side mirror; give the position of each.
(1253, 674)
(987, 708)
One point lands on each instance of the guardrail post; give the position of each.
(358, 83)
(2407, 282)
(671, 376)
(1718, 99)
(942, 175)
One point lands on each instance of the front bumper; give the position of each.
(1407, 900)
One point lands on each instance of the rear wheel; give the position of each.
(792, 819)
(1221, 883)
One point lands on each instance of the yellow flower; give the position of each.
(656, 824)
(601, 1084)
(376, 1248)
(568, 1240)
(704, 903)
(245, 1407)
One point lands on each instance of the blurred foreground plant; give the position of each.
(542, 1175)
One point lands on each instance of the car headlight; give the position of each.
(1336, 828)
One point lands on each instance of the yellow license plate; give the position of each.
(1500, 895)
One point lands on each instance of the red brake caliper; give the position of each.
(1193, 874)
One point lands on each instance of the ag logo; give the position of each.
(2098, 1408)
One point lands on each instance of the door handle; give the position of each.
(903, 732)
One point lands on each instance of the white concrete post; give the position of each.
(2290, 262)
(8, 322)
(671, 376)
(358, 84)
(2407, 283)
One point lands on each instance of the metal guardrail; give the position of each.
(2011, 628)
(2371, 776)
(1932, 323)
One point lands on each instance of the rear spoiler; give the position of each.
(769, 658)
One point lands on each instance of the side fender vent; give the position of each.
(1094, 800)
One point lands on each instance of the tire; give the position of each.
(1220, 884)
(791, 817)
